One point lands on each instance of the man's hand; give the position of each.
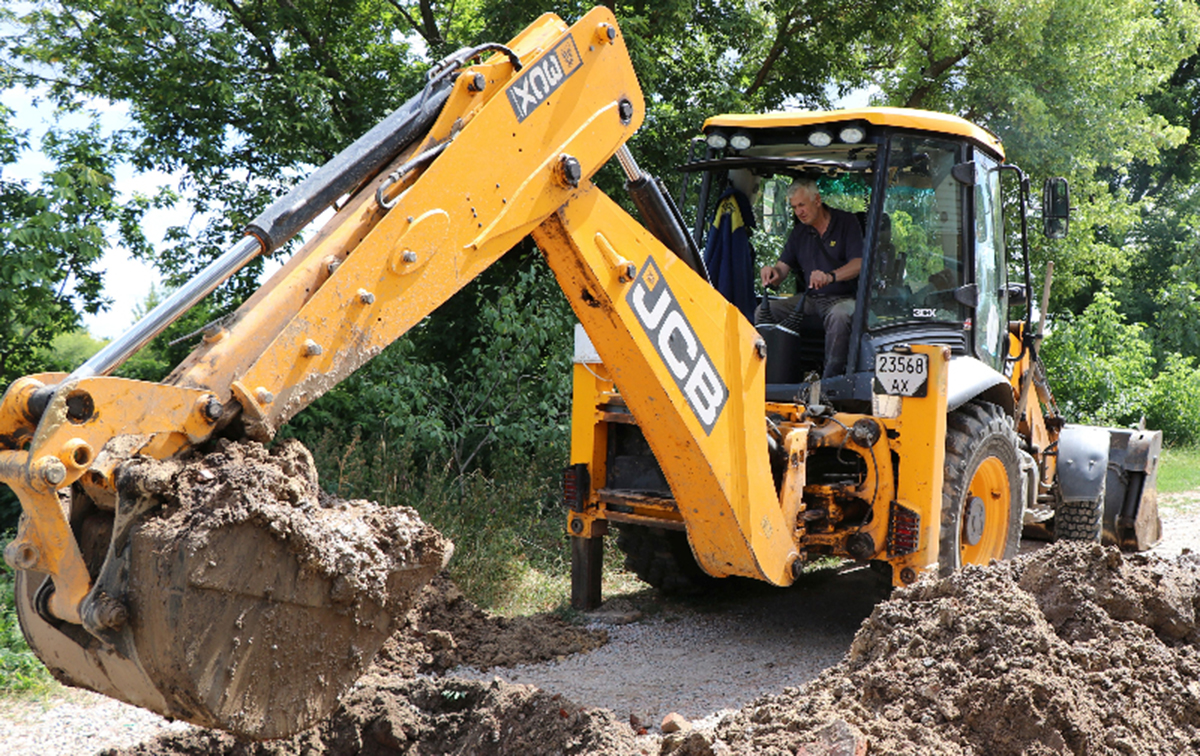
(773, 275)
(819, 278)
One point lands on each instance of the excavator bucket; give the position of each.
(231, 592)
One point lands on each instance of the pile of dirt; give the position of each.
(386, 716)
(235, 557)
(212, 513)
(445, 630)
(392, 711)
(1075, 649)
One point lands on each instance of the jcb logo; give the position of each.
(676, 342)
(541, 79)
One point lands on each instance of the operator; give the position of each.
(826, 249)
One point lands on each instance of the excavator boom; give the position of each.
(439, 192)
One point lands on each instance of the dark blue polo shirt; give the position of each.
(805, 251)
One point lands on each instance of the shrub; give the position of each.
(1103, 372)
(1100, 367)
(1174, 402)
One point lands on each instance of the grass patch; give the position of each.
(511, 553)
(1179, 470)
(21, 672)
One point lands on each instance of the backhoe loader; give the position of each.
(707, 441)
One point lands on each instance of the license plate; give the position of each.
(901, 374)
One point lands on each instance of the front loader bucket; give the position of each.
(1131, 491)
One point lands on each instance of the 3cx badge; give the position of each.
(541, 79)
(656, 309)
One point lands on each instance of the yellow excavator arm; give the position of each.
(510, 153)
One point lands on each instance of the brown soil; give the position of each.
(1073, 650)
(445, 630)
(422, 717)
(392, 711)
(284, 593)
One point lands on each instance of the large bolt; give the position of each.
(409, 256)
(625, 111)
(865, 432)
(52, 470)
(312, 348)
(477, 83)
(797, 566)
(366, 297)
(263, 395)
(105, 613)
(570, 171)
(861, 546)
(908, 576)
(213, 409)
(760, 348)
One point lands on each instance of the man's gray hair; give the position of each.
(805, 185)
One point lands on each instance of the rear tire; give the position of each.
(1080, 520)
(982, 506)
(663, 559)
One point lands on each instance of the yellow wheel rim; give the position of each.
(985, 514)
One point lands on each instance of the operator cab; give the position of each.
(914, 179)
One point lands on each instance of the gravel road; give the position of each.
(698, 658)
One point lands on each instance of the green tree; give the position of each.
(1101, 367)
(52, 237)
(244, 97)
(1162, 287)
(1104, 372)
(68, 351)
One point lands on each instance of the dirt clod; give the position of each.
(284, 593)
(446, 630)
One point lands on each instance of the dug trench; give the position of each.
(1072, 649)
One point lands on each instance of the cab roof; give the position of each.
(906, 118)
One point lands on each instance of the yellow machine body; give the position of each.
(511, 154)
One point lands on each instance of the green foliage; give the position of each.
(1174, 402)
(68, 351)
(1103, 372)
(52, 238)
(20, 670)
(1100, 366)
(242, 97)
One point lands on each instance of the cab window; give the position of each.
(919, 254)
